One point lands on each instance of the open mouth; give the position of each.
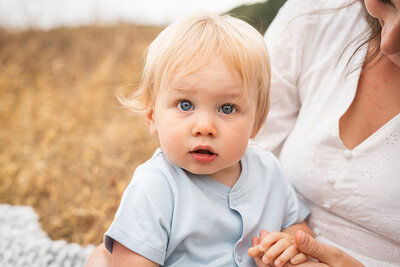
(204, 151)
(203, 154)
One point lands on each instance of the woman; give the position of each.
(335, 124)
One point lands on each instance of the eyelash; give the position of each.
(386, 2)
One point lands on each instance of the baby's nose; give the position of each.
(204, 126)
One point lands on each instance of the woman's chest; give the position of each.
(376, 102)
(351, 183)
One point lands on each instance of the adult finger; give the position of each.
(330, 255)
(315, 249)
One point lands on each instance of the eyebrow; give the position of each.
(190, 90)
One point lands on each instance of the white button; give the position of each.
(316, 231)
(348, 153)
(326, 205)
(330, 179)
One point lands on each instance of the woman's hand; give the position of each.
(325, 254)
(100, 257)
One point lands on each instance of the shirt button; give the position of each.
(347, 153)
(327, 205)
(234, 203)
(330, 179)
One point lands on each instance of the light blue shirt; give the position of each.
(176, 218)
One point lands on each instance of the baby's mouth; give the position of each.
(203, 151)
(203, 154)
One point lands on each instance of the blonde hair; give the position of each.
(190, 44)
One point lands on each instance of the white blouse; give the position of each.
(354, 195)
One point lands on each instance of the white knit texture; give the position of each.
(24, 243)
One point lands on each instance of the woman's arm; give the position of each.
(296, 227)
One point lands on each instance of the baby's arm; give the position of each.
(277, 248)
(122, 256)
(100, 257)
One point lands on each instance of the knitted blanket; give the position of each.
(24, 243)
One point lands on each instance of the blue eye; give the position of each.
(185, 105)
(227, 109)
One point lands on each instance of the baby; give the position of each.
(204, 194)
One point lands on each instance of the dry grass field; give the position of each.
(66, 146)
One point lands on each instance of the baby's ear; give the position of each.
(151, 124)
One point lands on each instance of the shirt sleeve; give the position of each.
(286, 39)
(142, 222)
(296, 210)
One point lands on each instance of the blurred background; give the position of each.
(66, 147)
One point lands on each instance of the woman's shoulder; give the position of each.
(304, 6)
(304, 29)
(296, 13)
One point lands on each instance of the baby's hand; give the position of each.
(275, 249)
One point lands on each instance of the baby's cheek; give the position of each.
(238, 147)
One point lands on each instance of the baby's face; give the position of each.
(204, 120)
